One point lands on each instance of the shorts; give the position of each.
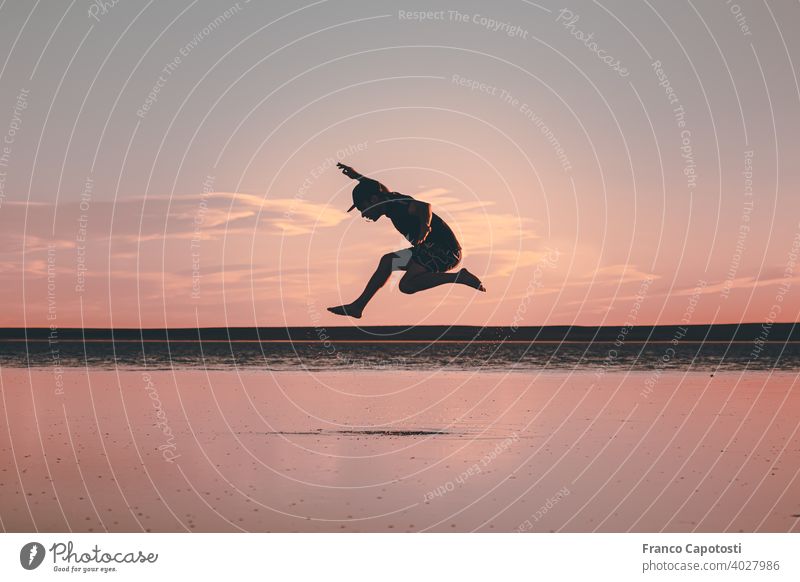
(435, 258)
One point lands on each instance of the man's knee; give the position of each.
(407, 287)
(387, 261)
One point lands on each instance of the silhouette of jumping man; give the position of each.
(435, 249)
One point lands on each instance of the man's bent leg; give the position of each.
(418, 278)
(388, 263)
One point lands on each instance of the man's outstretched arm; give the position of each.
(422, 210)
(349, 172)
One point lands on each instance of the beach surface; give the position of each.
(392, 450)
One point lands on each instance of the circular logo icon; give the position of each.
(31, 555)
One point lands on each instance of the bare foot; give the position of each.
(352, 310)
(467, 278)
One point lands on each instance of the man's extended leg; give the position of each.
(418, 278)
(388, 263)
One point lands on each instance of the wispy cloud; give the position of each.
(617, 274)
(739, 283)
(289, 216)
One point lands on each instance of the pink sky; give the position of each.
(572, 188)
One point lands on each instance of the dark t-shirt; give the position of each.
(397, 209)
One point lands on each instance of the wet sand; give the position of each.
(190, 450)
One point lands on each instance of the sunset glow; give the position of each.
(215, 200)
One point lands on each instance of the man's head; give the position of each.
(369, 197)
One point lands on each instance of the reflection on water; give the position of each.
(403, 356)
(369, 432)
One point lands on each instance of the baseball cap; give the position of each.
(365, 188)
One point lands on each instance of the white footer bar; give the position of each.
(371, 557)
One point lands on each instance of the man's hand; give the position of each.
(349, 172)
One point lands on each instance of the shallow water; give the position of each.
(88, 449)
(403, 356)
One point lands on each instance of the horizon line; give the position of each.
(403, 325)
(719, 332)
